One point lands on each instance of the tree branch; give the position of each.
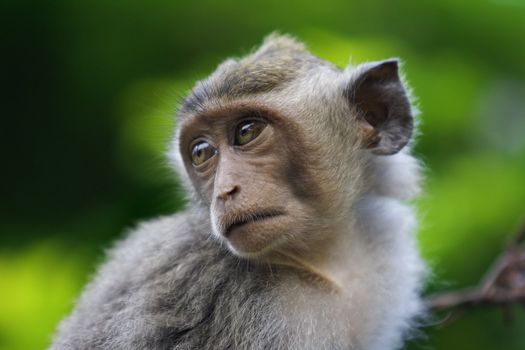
(503, 284)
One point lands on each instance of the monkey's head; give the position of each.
(276, 145)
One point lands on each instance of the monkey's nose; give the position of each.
(229, 193)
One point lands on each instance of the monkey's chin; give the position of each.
(255, 239)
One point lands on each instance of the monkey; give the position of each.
(298, 232)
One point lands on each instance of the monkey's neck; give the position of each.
(309, 270)
(370, 243)
(326, 262)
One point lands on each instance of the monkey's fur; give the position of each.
(345, 274)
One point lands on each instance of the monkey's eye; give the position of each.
(247, 131)
(201, 152)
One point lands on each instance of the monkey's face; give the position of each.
(249, 166)
(279, 170)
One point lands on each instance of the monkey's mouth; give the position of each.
(236, 221)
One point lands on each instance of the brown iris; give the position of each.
(247, 131)
(201, 152)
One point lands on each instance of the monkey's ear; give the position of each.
(383, 109)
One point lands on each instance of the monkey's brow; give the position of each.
(233, 86)
(218, 115)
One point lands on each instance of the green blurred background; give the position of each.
(90, 90)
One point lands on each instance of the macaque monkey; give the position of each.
(297, 232)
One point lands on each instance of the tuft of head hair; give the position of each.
(279, 60)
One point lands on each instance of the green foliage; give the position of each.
(39, 285)
(95, 86)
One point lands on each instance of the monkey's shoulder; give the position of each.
(170, 284)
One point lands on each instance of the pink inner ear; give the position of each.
(368, 134)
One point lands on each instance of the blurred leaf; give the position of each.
(38, 286)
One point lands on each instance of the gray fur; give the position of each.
(279, 60)
(170, 286)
